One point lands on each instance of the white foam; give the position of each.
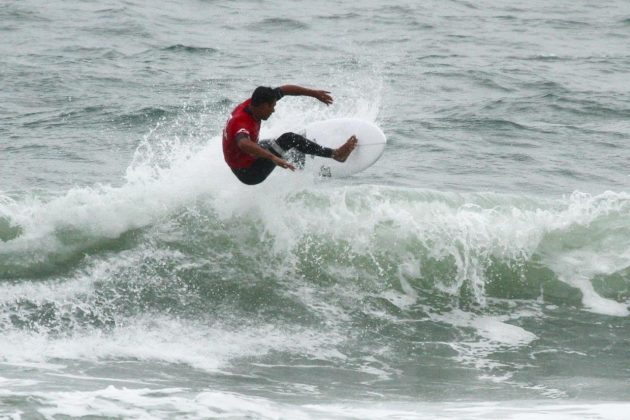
(450, 226)
(602, 247)
(105, 211)
(10, 383)
(169, 403)
(494, 335)
(577, 268)
(496, 330)
(160, 338)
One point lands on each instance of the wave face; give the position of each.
(470, 246)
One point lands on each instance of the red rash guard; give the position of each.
(240, 121)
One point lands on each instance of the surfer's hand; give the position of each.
(323, 96)
(283, 163)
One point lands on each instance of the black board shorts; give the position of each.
(259, 170)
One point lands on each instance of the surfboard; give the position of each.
(333, 133)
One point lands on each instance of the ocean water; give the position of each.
(479, 270)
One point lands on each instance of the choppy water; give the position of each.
(480, 269)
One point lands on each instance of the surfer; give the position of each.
(251, 161)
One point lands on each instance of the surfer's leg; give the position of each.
(289, 141)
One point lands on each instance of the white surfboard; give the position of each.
(333, 133)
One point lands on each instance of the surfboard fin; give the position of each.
(324, 172)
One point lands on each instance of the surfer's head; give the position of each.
(263, 102)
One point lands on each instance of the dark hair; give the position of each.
(264, 95)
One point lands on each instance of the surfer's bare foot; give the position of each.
(342, 153)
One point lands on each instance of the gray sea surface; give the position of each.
(479, 269)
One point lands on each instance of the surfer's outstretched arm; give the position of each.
(295, 90)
